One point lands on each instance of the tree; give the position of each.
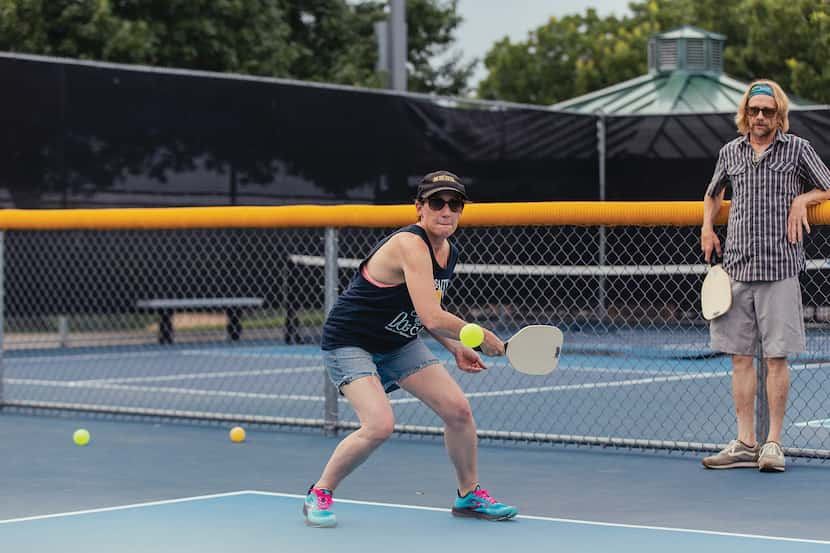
(338, 45)
(567, 57)
(318, 40)
(787, 41)
(220, 35)
(431, 28)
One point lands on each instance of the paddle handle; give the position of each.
(506, 343)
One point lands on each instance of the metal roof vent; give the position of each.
(686, 48)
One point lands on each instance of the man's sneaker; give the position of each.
(735, 455)
(479, 504)
(317, 508)
(771, 458)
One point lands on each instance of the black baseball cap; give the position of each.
(439, 181)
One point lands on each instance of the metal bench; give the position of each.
(166, 306)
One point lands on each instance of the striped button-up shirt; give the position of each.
(756, 247)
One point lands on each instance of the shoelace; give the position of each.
(770, 449)
(482, 494)
(732, 448)
(324, 500)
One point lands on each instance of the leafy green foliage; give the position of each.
(317, 40)
(566, 57)
(785, 40)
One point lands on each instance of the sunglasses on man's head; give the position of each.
(753, 111)
(437, 204)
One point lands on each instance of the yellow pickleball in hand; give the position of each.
(471, 335)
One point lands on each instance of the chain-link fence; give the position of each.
(224, 325)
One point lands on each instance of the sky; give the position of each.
(488, 21)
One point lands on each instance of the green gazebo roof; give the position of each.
(685, 76)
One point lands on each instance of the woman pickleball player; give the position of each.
(371, 347)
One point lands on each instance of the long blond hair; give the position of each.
(742, 119)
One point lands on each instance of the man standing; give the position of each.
(768, 170)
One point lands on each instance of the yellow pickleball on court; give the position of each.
(471, 335)
(237, 434)
(81, 436)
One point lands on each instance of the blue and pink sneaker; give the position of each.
(317, 508)
(479, 504)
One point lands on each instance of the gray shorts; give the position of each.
(347, 364)
(770, 312)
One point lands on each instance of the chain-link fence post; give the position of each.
(602, 314)
(331, 280)
(761, 402)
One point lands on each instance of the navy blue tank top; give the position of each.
(378, 319)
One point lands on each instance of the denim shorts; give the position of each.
(347, 364)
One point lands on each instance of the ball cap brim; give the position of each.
(441, 181)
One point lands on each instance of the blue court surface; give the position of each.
(142, 486)
(627, 386)
(257, 521)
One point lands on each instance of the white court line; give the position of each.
(111, 384)
(163, 390)
(124, 507)
(802, 366)
(163, 355)
(418, 508)
(588, 386)
(588, 348)
(818, 423)
(63, 358)
(563, 520)
(204, 375)
(611, 384)
(231, 353)
(592, 369)
(107, 385)
(580, 368)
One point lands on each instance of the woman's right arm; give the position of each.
(416, 265)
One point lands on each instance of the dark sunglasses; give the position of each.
(437, 204)
(768, 112)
